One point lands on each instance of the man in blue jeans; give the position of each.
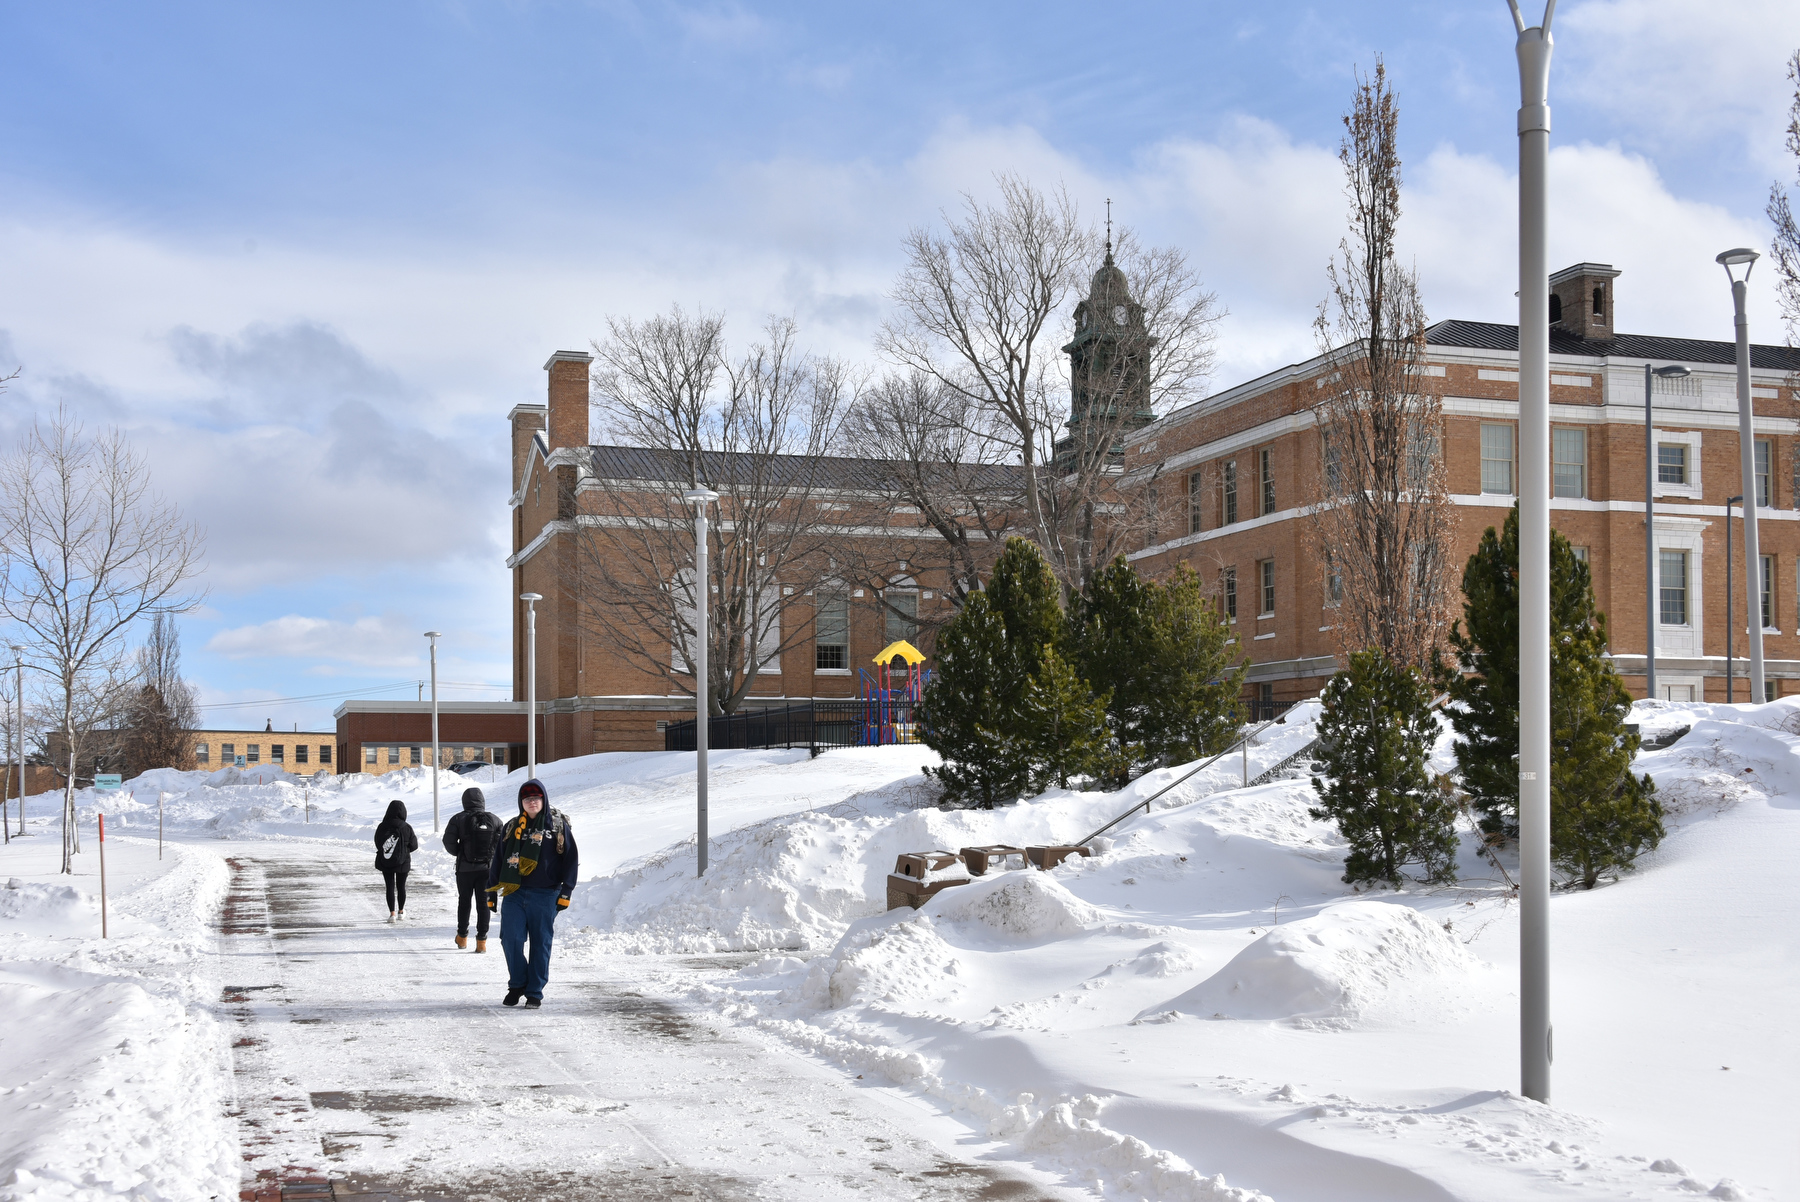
(534, 870)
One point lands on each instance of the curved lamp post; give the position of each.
(700, 498)
(1746, 258)
(1672, 372)
(531, 600)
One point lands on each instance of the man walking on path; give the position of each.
(471, 836)
(535, 872)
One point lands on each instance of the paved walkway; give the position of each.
(378, 1058)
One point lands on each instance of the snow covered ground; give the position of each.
(1201, 1010)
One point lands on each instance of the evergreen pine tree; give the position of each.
(1160, 651)
(1375, 737)
(1601, 816)
(966, 717)
(1064, 723)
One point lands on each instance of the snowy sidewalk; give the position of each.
(380, 1057)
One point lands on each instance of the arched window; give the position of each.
(1555, 307)
(1599, 302)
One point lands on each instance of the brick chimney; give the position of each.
(568, 398)
(1581, 301)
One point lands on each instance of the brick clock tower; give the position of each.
(1109, 386)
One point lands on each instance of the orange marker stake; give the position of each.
(102, 818)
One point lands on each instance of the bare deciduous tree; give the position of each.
(1785, 246)
(981, 309)
(160, 716)
(89, 551)
(757, 430)
(1383, 520)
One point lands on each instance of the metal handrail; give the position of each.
(1144, 805)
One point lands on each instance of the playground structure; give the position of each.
(890, 695)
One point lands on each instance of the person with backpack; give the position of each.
(534, 870)
(394, 846)
(471, 837)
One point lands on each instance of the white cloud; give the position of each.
(385, 642)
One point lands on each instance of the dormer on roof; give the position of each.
(1581, 301)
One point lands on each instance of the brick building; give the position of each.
(377, 737)
(299, 752)
(1249, 459)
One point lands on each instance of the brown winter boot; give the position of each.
(481, 945)
(462, 941)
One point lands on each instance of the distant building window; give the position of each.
(299, 753)
(1599, 302)
(1267, 568)
(417, 755)
(1764, 453)
(278, 753)
(1555, 307)
(325, 754)
(201, 754)
(1194, 495)
(228, 751)
(1230, 506)
(1768, 590)
(1265, 701)
(902, 614)
(369, 754)
(1672, 463)
(1266, 461)
(1333, 466)
(253, 753)
(1580, 553)
(1228, 585)
(1673, 587)
(1569, 451)
(831, 634)
(1497, 458)
(1334, 587)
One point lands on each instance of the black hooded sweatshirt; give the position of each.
(394, 840)
(473, 833)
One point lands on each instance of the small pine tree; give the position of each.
(1065, 725)
(1375, 737)
(1160, 651)
(965, 713)
(1601, 816)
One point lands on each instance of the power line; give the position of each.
(380, 688)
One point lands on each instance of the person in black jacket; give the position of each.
(534, 870)
(394, 846)
(471, 836)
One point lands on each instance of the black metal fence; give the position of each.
(848, 723)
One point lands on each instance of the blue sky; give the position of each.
(309, 255)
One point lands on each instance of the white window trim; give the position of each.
(1691, 440)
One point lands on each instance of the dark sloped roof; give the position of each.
(778, 471)
(1491, 336)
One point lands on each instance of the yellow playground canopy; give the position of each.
(905, 650)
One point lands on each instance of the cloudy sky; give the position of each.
(308, 256)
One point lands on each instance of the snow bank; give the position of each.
(1026, 904)
(1328, 967)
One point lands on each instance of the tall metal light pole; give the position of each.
(1674, 371)
(700, 498)
(434, 636)
(531, 600)
(1746, 258)
(1533, 49)
(1729, 502)
(19, 656)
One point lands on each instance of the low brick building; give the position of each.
(1250, 460)
(379, 736)
(300, 752)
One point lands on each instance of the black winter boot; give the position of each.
(512, 997)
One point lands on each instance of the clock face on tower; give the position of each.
(1118, 315)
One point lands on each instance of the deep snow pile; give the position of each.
(1205, 997)
(116, 1077)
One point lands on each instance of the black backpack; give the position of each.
(481, 831)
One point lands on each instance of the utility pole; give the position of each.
(434, 636)
(531, 600)
(700, 498)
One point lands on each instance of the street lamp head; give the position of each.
(1743, 257)
(1673, 372)
(699, 496)
(531, 597)
(432, 634)
(1730, 501)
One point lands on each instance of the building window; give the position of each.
(325, 754)
(831, 634)
(1230, 507)
(1673, 587)
(253, 753)
(1671, 463)
(1580, 553)
(1555, 308)
(278, 753)
(1267, 570)
(1152, 517)
(1228, 585)
(1334, 587)
(299, 753)
(417, 756)
(1768, 591)
(903, 624)
(1599, 302)
(1764, 454)
(201, 754)
(1421, 454)
(369, 754)
(1265, 701)
(1194, 495)
(1569, 453)
(1333, 466)
(1266, 460)
(1497, 458)
(228, 752)
(393, 756)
